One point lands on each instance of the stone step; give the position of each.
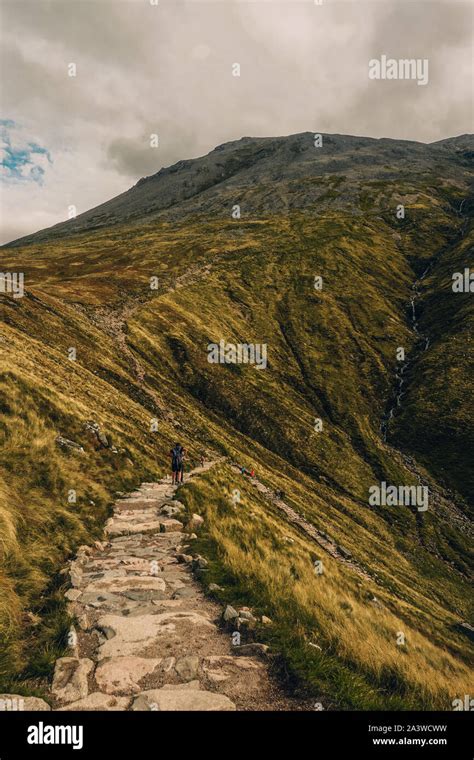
(182, 699)
(128, 583)
(122, 675)
(97, 702)
(117, 528)
(132, 505)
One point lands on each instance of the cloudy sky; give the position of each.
(166, 67)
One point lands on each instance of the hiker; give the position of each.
(177, 464)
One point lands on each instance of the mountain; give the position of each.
(322, 268)
(306, 171)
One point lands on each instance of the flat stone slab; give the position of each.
(237, 677)
(132, 635)
(139, 552)
(146, 626)
(106, 575)
(129, 528)
(128, 583)
(70, 678)
(146, 595)
(122, 675)
(182, 699)
(140, 565)
(110, 602)
(139, 504)
(186, 592)
(229, 666)
(97, 702)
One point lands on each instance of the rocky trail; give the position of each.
(147, 637)
(339, 553)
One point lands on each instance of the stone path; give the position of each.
(147, 638)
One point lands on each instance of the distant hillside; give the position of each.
(142, 285)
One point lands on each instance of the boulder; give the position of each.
(246, 615)
(171, 526)
(70, 678)
(182, 558)
(230, 614)
(73, 594)
(65, 443)
(195, 522)
(170, 510)
(199, 563)
(259, 650)
(187, 667)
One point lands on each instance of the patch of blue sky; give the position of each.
(21, 160)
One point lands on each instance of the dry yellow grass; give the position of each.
(333, 609)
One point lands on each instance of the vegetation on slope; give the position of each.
(354, 642)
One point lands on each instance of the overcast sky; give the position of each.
(166, 69)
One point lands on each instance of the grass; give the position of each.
(360, 665)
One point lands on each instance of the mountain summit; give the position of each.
(272, 175)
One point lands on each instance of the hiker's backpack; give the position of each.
(178, 455)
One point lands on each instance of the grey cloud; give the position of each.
(135, 157)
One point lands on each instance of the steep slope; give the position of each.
(142, 373)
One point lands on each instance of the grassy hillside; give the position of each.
(141, 373)
(337, 632)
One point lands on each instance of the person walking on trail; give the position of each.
(177, 464)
